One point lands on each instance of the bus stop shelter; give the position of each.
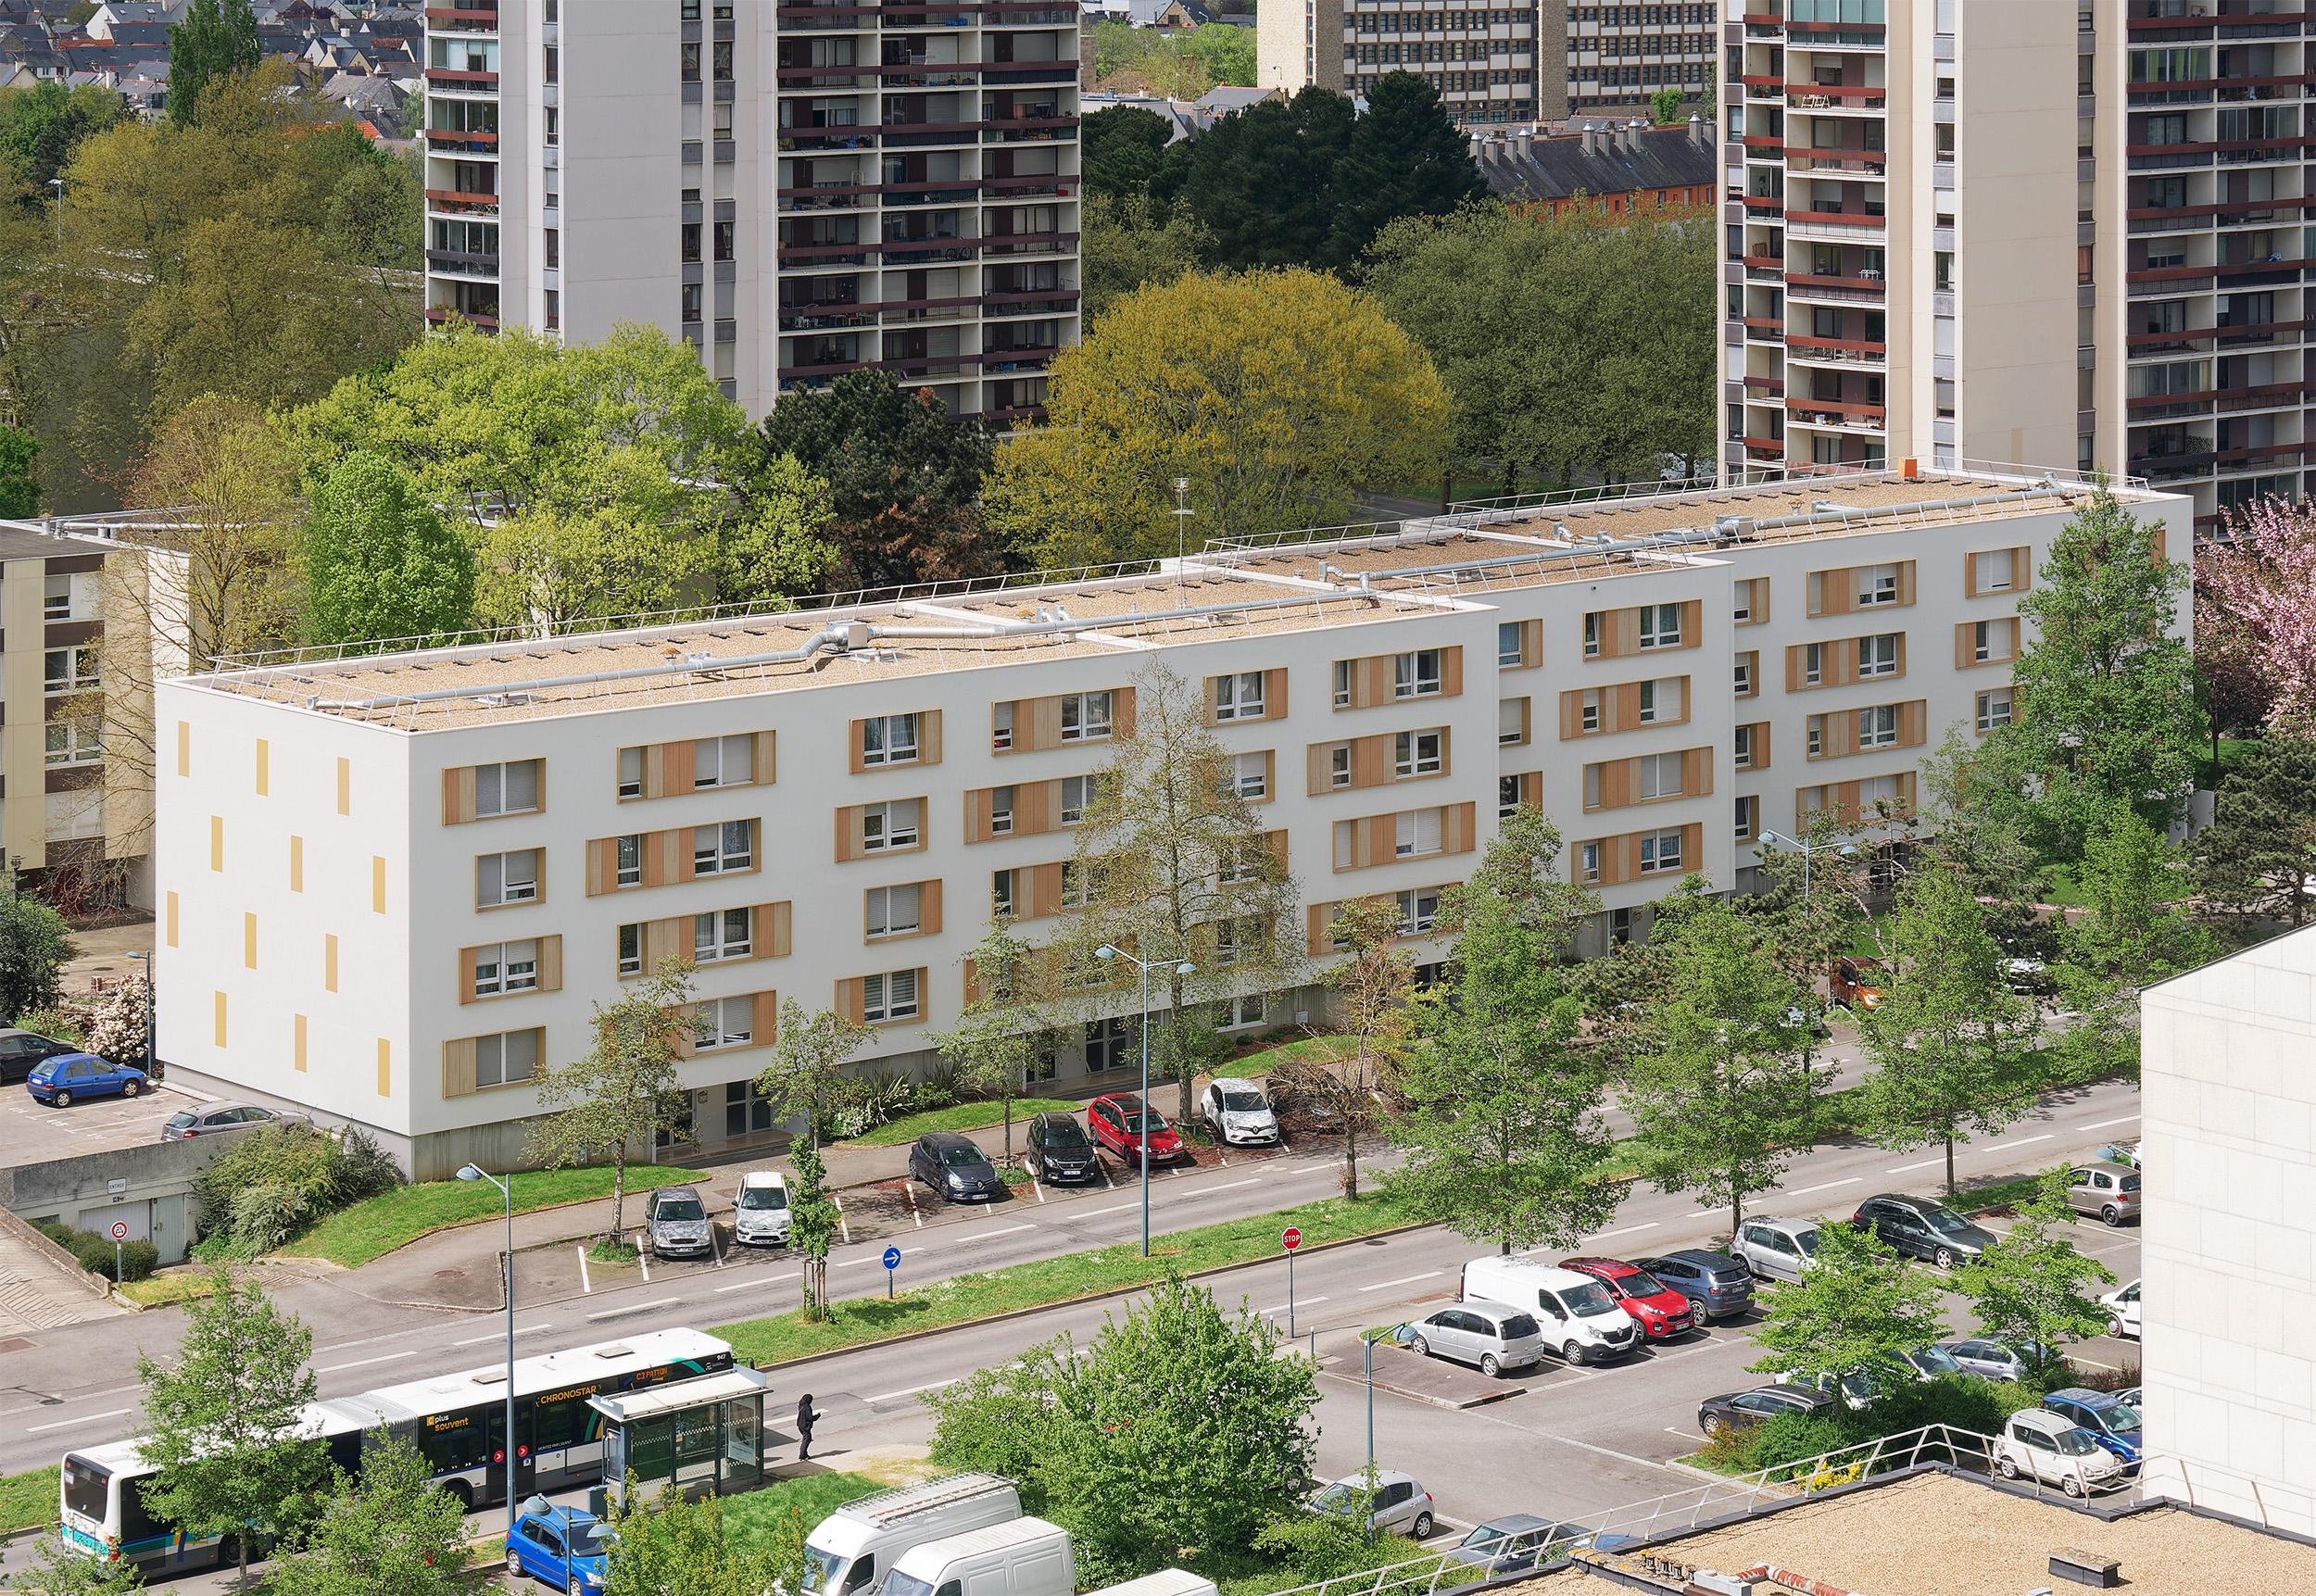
(700, 1436)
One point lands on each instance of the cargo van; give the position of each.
(1575, 1313)
(1028, 1557)
(854, 1548)
(1165, 1582)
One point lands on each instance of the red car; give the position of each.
(1118, 1125)
(1662, 1311)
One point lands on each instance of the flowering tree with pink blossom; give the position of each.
(2256, 591)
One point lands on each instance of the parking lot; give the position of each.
(30, 1132)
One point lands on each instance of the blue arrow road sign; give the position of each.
(892, 1257)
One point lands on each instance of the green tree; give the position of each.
(1720, 1097)
(1263, 182)
(1950, 1042)
(1013, 1018)
(221, 1418)
(2256, 860)
(1665, 107)
(2032, 1285)
(610, 1103)
(1120, 150)
(2106, 706)
(1406, 157)
(1177, 868)
(387, 1531)
(778, 546)
(678, 1543)
(1178, 1428)
(1375, 1028)
(1227, 52)
(2132, 931)
(813, 1224)
(1810, 903)
(19, 491)
(1130, 243)
(804, 1080)
(379, 562)
(216, 39)
(1502, 1126)
(903, 477)
(1856, 1311)
(1976, 830)
(34, 943)
(60, 1570)
(1528, 318)
(1275, 394)
(39, 128)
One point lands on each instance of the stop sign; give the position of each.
(1291, 1238)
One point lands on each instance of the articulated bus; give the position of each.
(458, 1423)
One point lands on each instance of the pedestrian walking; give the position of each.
(806, 1417)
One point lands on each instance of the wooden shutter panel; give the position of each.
(929, 907)
(767, 1026)
(852, 1001)
(1035, 805)
(598, 868)
(466, 975)
(1381, 844)
(767, 761)
(1965, 644)
(665, 939)
(1277, 841)
(673, 849)
(856, 746)
(1692, 846)
(1451, 672)
(1615, 783)
(1314, 926)
(1527, 725)
(551, 964)
(458, 794)
(1571, 713)
(1913, 722)
(1906, 582)
(1627, 629)
(972, 994)
(1692, 622)
(1275, 694)
(1696, 772)
(929, 737)
(655, 770)
(1321, 765)
(775, 930)
(1796, 662)
(1122, 712)
(680, 768)
(458, 1068)
(1761, 745)
(1376, 674)
(1270, 776)
(1043, 896)
(1902, 653)
(1045, 723)
(847, 834)
(978, 814)
(1458, 824)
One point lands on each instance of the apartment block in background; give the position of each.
(798, 190)
(394, 886)
(1979, 229)
(1528, 63)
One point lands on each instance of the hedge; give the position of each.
(94, 1253)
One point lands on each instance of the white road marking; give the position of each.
(500, 1335)
(1226, 1186)
(585, 1285)
(1403, 1280)
(2092, 1363)
(1825, 1185)
(909, 1391)
(2019, 1141)
(643, 1257)
(1628, 1230)
(2106, 1124)
(1300, 1303)
(1105, 1174)
(636, 1308)
(843, 1224)
(762, 1280)
(1002, 1230)
(1684, 1435)
(914, 1213)
(1036, 1189)
(1098, 1212)
(365, 1362)
(67, 1424)
(1910, 1168)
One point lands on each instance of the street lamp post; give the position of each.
(1109, 950)
(506, 1189)
(151, 1045)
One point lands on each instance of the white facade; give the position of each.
(319, 881)
(2229, 1241)
(798, 191)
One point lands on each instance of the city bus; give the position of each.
(458, 1422)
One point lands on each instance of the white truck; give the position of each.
(854, 1550)
(1027, 1557)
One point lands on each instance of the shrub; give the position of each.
(94, 1253)
(62, 1022)
(272, 1182)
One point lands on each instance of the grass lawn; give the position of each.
(159, 1290)
(1264, 1060)
(28, 1499)
(1046, 1281)
(958, 1116)
(750, 1517)
(376, 1227)
(1386, 1552)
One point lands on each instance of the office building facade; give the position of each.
(394, 888)
(797, 190)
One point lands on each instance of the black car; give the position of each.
(19, 1050)
(1718, 1286)
(1058, 1150)
(1742, 1410)
(952, 1166)
(1922, 1229)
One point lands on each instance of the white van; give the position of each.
(1028, 1557)
(854, 1548)
(1576, 1316)
(1165, 1582)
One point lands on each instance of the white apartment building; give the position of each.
(2229, 1244)
(799, 190)
(1543, 60)
(1961, 229)
(392, 886)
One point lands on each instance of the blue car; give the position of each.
(2112, 1420)
(564, 1546)
(67, 1077)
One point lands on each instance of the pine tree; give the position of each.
(216, 39)
(2256, 860)
(1406, 157)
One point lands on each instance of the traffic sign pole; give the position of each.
(892, 1266)
(1291, 1238)
(120, 1233)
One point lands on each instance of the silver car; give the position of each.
(1399, 1505)
(1492, 1336)
(1776, 1248)
(2013, 1360)
(1239, 1113)
(675, 1224)
(2105, 1191)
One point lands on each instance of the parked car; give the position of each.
(1577, 1318)
(1123, 1125)
(566, 1547)
(216, 1119)
(1660, 1311)
(954, 1168)
(1921, 1228)
(1057, 1149)
(1859, 1389)
(67, 1077)
(1516, 1542)
(1492, 1336)
(1742, 1410)
(2000, 1360)
(2113, 1422)
(19, 1050)
(1400, 1503)
(761, 1218)
(2028, 976)
(1239, 1114)
(2110, 1191)
(675, 1224)
(2119, 1152)
(1858, 983)
(2055, 1451)
(1775, 1249)
(2122, 1312)
(1716, 1285)
(1928, 1363)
